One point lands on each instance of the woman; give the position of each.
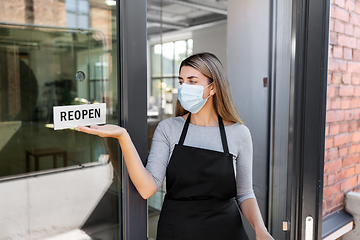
(196, 152)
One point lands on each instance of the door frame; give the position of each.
(132, 107)
(298, 109)
(310, 34)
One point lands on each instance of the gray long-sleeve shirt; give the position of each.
(168, 132)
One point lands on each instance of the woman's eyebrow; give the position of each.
(180, 78)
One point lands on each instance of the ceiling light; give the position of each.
(110, 2)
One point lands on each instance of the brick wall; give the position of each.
(342, 140)
(12, 11)
(50, 13)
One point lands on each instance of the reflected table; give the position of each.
(43, 152)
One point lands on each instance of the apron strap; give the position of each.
(223, 135)
(184, 131)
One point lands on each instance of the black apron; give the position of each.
(200, 199)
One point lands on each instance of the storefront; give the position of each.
(63, 184)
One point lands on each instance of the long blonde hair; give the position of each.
(210, 66)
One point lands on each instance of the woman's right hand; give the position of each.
(108, 130)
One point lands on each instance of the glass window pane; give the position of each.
(156, 60)
(180, 54)
(168, 59)
(41, 64)
(70, 5)
(71, 20)
(83, 6)
(190, 47)
(63, 173)
(155, 99)
(83, 21)
(170, 96)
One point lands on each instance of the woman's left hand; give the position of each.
(264, 235)
(107, 130)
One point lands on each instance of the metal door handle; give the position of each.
(309, 228)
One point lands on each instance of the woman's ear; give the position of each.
(213, 89)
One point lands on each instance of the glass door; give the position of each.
(58, 183)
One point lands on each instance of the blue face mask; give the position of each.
(191, 97)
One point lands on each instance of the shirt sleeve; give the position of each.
(244, 164)
(158, 158)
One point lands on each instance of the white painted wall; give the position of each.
(212, 39)
(48, 205)
(248, 41)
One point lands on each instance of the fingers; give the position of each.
(91, 129)
(81, 128)
(91, 126)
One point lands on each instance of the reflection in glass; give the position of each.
(59, 183)
(39, 67)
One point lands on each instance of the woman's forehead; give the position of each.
(187, 71)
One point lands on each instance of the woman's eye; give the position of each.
(180, 82)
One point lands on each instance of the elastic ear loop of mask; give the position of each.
(209, 93)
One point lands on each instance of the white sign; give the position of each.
(75, 115)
